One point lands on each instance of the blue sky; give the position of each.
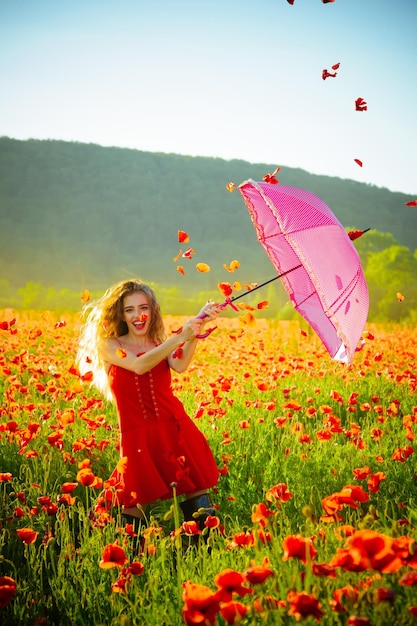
(220, 78)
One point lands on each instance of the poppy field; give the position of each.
(316, 504)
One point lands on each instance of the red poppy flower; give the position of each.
(233, 612)
(86, 477)
(229, 581)
(260, 514)
(368, 549)
(136, 568)
(113, 556)
(257, 574)
(242, 539)
(120, 585)
(191, 528)
(374, 480)
(302, 605)
(279, 492)
(212, 521)
(402, 454)
(383, 594)
(201, 605)
(27, 535)
(7, 590)
(18, 512)
(296, 546)
(409, 579)
(323, 569)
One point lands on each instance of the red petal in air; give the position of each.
(361, 105)
(183, 237)
(359, 162)
(411, 203)
(271, 178)
(325, 74)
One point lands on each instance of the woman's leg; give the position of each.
(197, 507)
(134, 511)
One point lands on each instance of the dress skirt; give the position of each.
(160, 443)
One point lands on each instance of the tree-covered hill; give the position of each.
(81, 216)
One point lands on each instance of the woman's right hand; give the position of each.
(190, 329)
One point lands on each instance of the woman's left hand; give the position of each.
(210, 311)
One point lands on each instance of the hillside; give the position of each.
(80, 215)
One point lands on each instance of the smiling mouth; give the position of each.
(140, 323)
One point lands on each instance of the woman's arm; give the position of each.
(112, 353)
(208, 313)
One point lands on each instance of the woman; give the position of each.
(123, 342)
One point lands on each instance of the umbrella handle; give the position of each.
(229, 301)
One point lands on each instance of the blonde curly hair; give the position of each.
(104, 320)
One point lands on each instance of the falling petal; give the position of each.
(247, 319)
(203, 267)
(411, 203)
(188, 254)
(359, 162)
(355, 234)
(225, 288)
(122, 354)
(326, 74)
(175, 259)
(400, 296)
(271, 178)
(183, 237)
(85, 296)
(234, 265)
(360, 105)
(180, 269)
(230, 187)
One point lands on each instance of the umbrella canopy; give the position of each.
(296, 228)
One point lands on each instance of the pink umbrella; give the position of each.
(316, 261)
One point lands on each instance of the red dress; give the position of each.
(162, 444)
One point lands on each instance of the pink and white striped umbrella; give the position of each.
(328, 288)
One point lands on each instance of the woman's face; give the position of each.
(137, 313)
